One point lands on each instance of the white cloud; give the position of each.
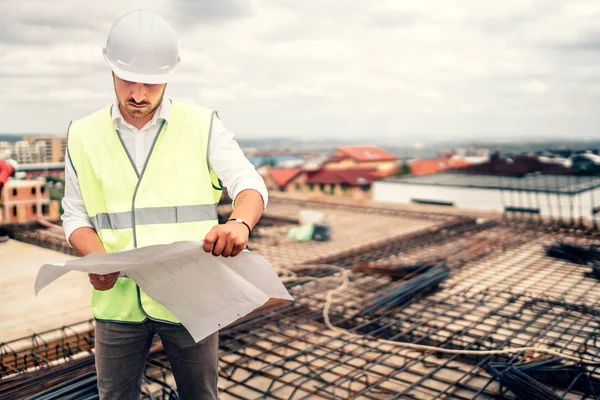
(535, 86)
(431, 94)
(388, 68)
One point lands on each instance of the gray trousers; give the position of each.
(122, 349)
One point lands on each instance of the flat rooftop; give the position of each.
(17, 183)
(545, 183)
(65, 302)
(353, 228)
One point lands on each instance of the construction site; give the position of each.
(401, 302)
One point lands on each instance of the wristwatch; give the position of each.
(241, 221)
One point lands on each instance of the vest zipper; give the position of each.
(139, 296)
(160, 130)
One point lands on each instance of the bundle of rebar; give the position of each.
(577, 254)
(574, 253)
(77, 380)
(554, 372)
(395, 272)
(42, 349)
(71, 380)
(59, 364)
(406, 290)
(521, 384)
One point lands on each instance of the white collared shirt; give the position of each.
(224, 154)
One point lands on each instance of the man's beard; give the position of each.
(142, 111)
(145, 107)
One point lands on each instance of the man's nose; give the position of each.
(138, 92)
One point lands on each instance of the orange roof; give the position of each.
(433, 166)
(283, 176)
(366, 153)
(456, 162)
(350, 176)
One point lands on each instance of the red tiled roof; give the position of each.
(366, 153)
(352, 177)
(283, 176)
(433, 166)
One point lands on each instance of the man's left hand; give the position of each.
(226, 240)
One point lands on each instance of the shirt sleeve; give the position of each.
(231, 165)
(75, 215)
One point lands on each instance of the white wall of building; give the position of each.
(489, 199)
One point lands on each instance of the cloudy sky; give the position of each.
(400, 71)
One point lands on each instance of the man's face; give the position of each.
(138, 100)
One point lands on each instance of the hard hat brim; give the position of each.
(139, 78)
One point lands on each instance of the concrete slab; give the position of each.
(65, 302)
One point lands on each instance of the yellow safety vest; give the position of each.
(173, 198)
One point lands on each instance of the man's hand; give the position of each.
(226, 240)
(103, 282)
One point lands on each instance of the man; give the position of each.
(145, 171)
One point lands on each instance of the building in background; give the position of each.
(23, 152)
(53, 147)
(26, 200)
(35, 149)
(350, 182)
(436, 165)
(6, 150)
(472, 151)
(349, 172)
(368, 157)
(562, 197)
(280, 178)
(521, 185)
(39, 152)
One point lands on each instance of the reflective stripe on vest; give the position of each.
(155, 215)
(172, 199)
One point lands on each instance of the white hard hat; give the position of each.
(142, 47)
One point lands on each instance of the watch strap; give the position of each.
(241, 221)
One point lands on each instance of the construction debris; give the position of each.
(306, 233)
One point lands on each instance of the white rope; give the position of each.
(345, 281)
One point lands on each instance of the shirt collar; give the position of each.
(163, 112)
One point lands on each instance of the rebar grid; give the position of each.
(503, 292)
(42, 349)
(423, 245)
(75, 378)
(515, 298)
